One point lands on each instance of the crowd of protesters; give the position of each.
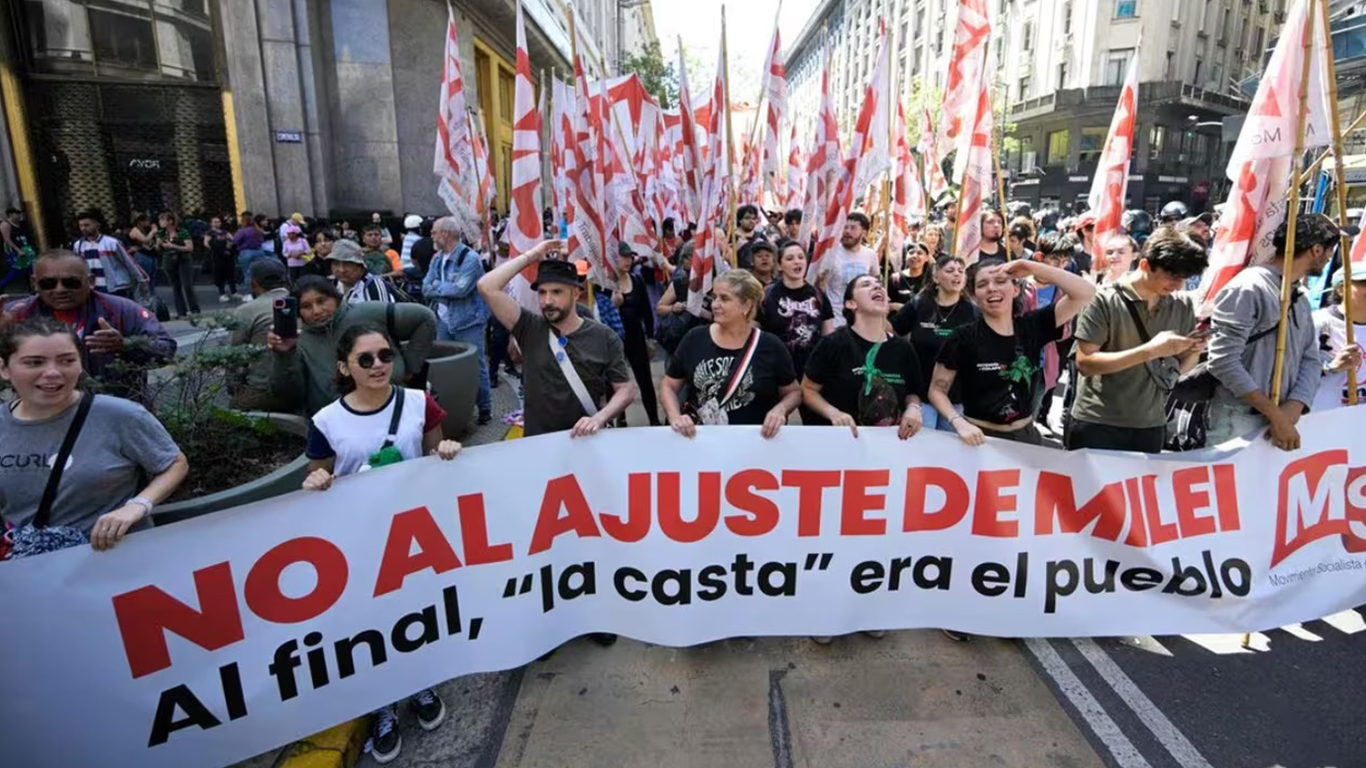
(920, 337)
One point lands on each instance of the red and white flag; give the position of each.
(775, 92)
(707, 244)
(690, 161)
(454, 159)
(524, 208)
(752, 186)
(976, 178)
(1359, 249)
(1112, 174)
(488, 193)
(796, 173)
(967, 63)
(1262, 164)
(906, 190)
(587, 231)
(823, 162)
(934, 166)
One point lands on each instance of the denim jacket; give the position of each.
(450, 287)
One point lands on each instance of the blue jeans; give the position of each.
(244, 260)
(474, 336)
(148, 265)
(932, 419)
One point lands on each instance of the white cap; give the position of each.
(413, 221)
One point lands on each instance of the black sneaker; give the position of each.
(512, 371)
(429, 708)
(485, 417)
(385, 742)
(603, 638)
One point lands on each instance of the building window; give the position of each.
(1024, 88)
(1199, 70)
(1027, 157)
(1176, 11)
(1126, 9)
(1115, 63)
(506, 92)
(1157, 141)
(1092, 141)
(1169, 72)
(1067, 17)
(123, 40)
(1027, 37)
(1057, 147)
(1216, 76)
(1062, 76)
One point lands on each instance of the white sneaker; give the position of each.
(223, 299)
(876, 634)
(246, 297)
(822, 639)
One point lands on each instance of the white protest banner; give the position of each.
(208, 641)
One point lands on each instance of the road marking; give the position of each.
(1125, 754)
(1171, 737)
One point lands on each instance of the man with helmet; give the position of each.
(1173, 212)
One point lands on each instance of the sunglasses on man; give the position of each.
(69, 283)
(367, 360)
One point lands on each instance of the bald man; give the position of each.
(111, 328)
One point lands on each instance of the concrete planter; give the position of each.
(453, 375)
(283, 480)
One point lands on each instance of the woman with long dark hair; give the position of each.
(373, 424)
(928, 320)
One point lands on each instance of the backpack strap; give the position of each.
(396, 417)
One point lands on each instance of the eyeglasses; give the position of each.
(69, 283)
(366, 360)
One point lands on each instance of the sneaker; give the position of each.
(223, 299)
(876, 634)
(385, 742)
(485, 417)
(604, 638)
(954, 634)
(822, 639)
(512, 371)
(246, 298)
(429, 708)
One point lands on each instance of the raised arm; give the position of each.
(491, 285)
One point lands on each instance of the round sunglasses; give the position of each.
(367, 360)
(69, 283)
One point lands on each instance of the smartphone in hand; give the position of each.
(286, 324)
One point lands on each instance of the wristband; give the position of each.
(145, 502)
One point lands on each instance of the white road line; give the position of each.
(1126, 755)
(1171, 737)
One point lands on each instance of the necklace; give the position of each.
(940, 316)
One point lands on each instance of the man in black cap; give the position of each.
(574, 369)
(1242, 346)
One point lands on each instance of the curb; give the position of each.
(336, 747)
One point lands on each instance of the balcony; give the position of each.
(1023, 110)
(1149, 95)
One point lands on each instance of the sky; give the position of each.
(749, 28)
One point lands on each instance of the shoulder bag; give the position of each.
(37, 537)
(713, 411)
(389, 453)
(560, 351)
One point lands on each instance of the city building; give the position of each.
(326, 107)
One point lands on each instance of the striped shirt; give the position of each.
(108, 262)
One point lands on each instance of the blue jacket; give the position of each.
(450, 287)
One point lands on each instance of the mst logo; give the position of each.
(1320, 496)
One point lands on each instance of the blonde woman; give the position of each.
(736, 373)
(933, 238)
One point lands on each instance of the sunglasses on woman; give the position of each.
(69, 283)
(367, 360)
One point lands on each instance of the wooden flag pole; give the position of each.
(1000, 123)
(480, 204)
(1318, 161)
(886, 202)
(1340, 181)
(1292, 215)
(573, 64)
(730, 147)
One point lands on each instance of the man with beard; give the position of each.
(1242, 347)
(841, 265)
(991, 236)
(574, 369)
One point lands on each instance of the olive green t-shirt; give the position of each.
(1131, 397)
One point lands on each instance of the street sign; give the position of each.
(289, 137)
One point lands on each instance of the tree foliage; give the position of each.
(657, 76)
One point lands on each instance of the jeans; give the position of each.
(474, 336)
(1084, 434)
(932, 419)
(148, 265)
(180, 267)
(244, 260)
(1231, 418)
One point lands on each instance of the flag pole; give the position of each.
(480, 204)
(1000, 123)
(1339, 172)
(1292, 215)
(574, 55)
(759, 109)
(730, 145)
(889, 97)
(1318, 161)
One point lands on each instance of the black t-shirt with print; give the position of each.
(997, 373)
(929, 326)
(795, 317)
(903, 288)
(837, 365)
(707, 368)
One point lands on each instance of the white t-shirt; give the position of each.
(841, 267)
(353, 437)
(1332, 330)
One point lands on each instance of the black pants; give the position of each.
(1084, 434)
(498, 349)
(180, 267)
(224, 267)
(638, 356)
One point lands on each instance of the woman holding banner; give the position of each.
(735, 373)
(996, 359)
(373, 424)
(73, 463)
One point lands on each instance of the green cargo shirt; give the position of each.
(1131, 397)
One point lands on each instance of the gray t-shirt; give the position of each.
(598, 357)
(1131, 397)
(121, 446)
